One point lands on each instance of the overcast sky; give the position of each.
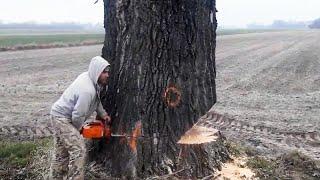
(232, 13)
(46, 11)
(241, 12)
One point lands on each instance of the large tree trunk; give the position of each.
(162, 54)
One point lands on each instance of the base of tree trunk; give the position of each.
(192, 161)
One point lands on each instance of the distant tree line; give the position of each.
(315, 24)
(280, 24)
(51, 26)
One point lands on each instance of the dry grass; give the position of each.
(293, 165)
(25, 160)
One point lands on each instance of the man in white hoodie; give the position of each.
(68, 114)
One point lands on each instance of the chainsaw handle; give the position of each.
(108, 123)
(95, 123)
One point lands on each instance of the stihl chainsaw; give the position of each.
(100, 129)
(96, 130)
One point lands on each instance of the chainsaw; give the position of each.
(96, 130)
(100, 129)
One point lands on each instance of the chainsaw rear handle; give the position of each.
(103, 120)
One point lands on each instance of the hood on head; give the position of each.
(97, 65)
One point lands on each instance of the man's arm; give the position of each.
(100, 110)
(102, 113)
(81, 109)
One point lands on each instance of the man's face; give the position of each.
(103, 78)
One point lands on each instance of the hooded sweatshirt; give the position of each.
(82, 97)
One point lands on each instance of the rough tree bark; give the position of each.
(162, 54)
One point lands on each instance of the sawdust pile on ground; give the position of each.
(235, 169)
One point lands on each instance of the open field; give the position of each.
(221, 32)
(270, 80)
(19, 39)
(23, 39)
(20, 31)
(12, 40)
(31, 80)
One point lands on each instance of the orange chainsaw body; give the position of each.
(96, 130)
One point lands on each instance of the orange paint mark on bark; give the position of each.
(172, 96)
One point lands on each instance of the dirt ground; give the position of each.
(31, 80)
(267, 79)
(271, 80)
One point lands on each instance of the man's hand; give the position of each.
(107, 119)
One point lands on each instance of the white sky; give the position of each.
(238, 13)
(46, 11)
(232, 13)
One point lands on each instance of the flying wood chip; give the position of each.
(203, 131)
(199, 135)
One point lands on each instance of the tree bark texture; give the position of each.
(162, 55)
